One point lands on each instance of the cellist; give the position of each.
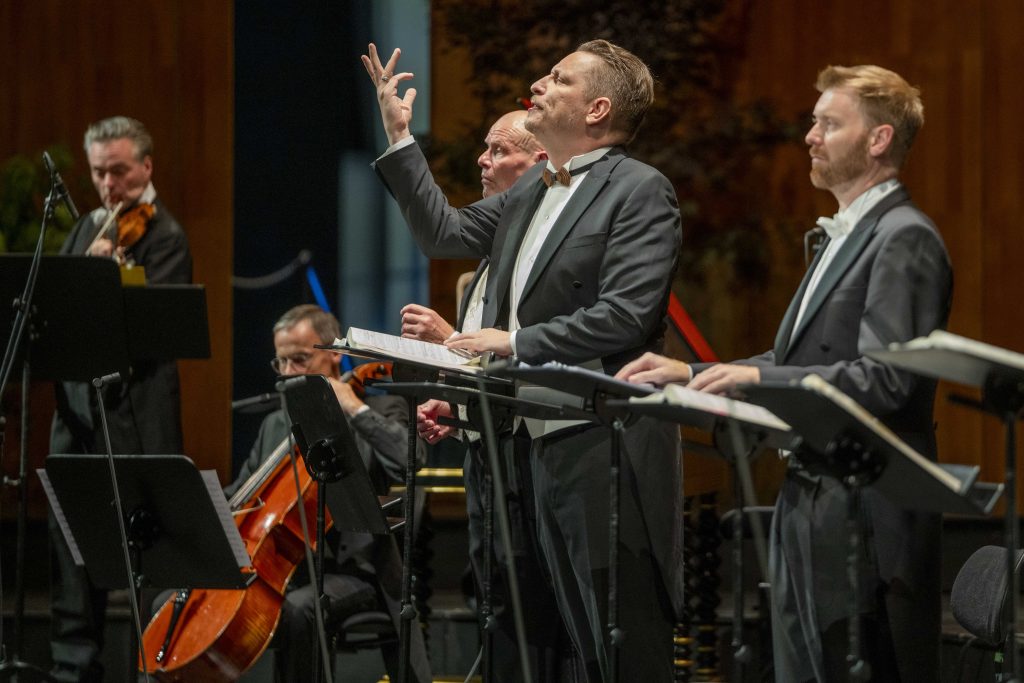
(144, 411)
(362, 571)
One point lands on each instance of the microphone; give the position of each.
(112, 378)
(58, 186)
(286, 383)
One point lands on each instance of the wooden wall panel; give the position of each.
(169, 64)
(964, 170)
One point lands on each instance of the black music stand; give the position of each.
(598, 392)
(180, 530)
(78, 331)
(407, 368)
(490, 412)
(322, 434)
(999, 373)
(840, 439)
(740, 431)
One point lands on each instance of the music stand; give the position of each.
(484, 411)
(999, 373)
(597, 390)
(180, 528)
(78, 332)
(840, 439)
(410, 367)
(322, 434)
(739, 431)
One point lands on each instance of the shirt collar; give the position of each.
(843, 223)
(581, 159)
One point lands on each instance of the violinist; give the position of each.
(362, 572)
(143, 411)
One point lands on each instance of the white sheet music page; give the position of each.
(720, 405)
(940, 339)
(220, 504)
(835, 395)
(410, 349)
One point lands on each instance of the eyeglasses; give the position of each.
(298, 361)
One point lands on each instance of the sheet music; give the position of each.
(409, 349)
(940, 339)
(819, 385)
(677, 394)
(58, 515)
(948, 356)
(220, 504)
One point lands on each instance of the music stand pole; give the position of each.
(136, 543)
(408, 609)
(1001, 395)
(22, 322)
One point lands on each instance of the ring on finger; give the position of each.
(384, 78)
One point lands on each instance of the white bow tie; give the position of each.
(835, 227)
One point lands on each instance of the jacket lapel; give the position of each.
(589, 189)
(524, 198)
(785, 332)
(848, 254)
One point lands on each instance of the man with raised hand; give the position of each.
(582, 252)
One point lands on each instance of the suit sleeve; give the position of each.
(168, 260)
(908, 296)
(635, 273)
(440, 230)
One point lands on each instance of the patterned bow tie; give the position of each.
(835, 227)
(562, 177)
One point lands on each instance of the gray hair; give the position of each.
(324, 323)
(118, 127)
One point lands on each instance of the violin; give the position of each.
(124, 229)
(358, 377)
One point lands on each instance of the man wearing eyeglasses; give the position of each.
(365, 570)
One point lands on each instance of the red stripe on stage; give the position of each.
(688, 329)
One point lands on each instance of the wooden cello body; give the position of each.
(218, 634)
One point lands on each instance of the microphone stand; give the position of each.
(11, 665)
(134, 539)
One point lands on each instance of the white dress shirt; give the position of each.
(551, 206)
(838, 229)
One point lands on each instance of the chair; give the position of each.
(979, 595)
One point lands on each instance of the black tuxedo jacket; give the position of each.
(600, 286)
(891, 281)
(598, 290)
(145, 411)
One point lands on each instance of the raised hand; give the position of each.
(395, 111)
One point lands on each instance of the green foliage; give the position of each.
(24, 184)
(708, 143)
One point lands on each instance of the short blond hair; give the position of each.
(625, 80)
(885, 98)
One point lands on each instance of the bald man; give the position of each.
(509, 151)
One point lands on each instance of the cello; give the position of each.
(215, 634)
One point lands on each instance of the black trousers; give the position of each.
(548, 649)
(571, 482)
